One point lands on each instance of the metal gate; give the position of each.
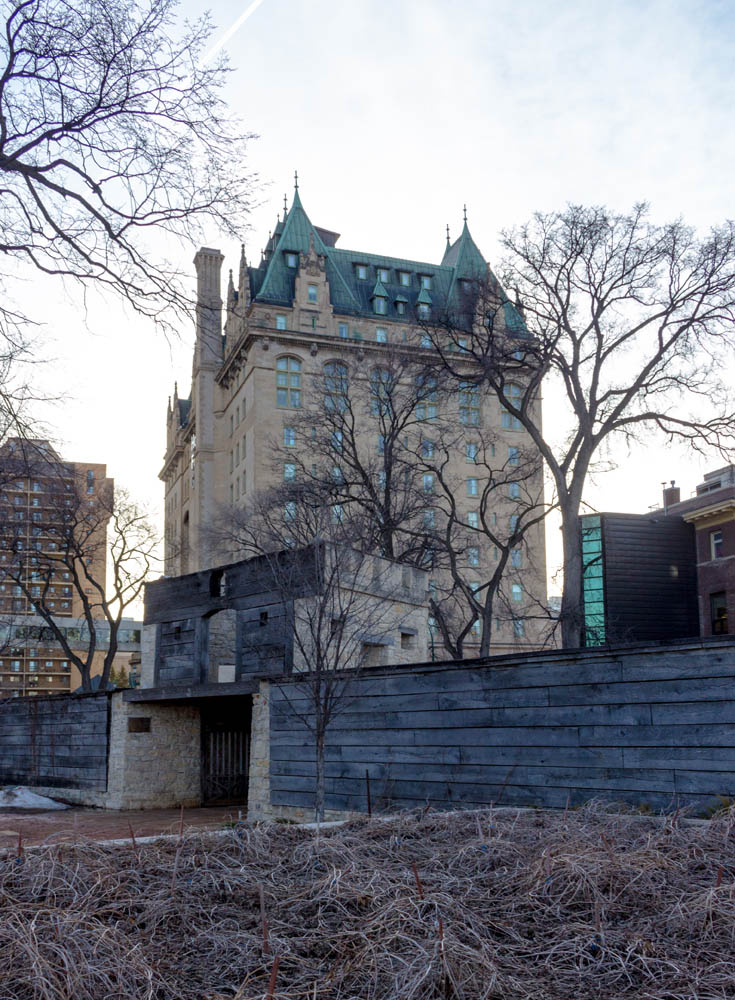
(225, 757)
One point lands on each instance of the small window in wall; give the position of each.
(716, 544)
(381, 335)
(139, 724)
(344, 331)
(718, 611)
(311, 293)
(280, 322)
(361, 272)
(292, 260)
(408, 640)
(404, 278)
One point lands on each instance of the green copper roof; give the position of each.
(273, 281)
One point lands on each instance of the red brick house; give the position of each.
(712, 512)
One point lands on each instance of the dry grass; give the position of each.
(506, 904)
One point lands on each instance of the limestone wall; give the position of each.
(155, 756)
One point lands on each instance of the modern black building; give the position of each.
(640, 578)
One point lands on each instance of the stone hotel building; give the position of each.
(307, 305)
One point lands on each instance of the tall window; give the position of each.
(428, 482)
(311, 293)
(469, 404)
(427, 449)
(718, 612)
(344, 331)
(381, 335)
(335, 386)
(514, 394)
(289, 436)
(288, 382)
(716, 544)
(473, 555)
(514, 491)
(517, 592)
(426, 408)
(380, 305)
(518, 628)
(470, 451)
(381, 390)
(473, 519)
(473, 487)
(289, 471)
(513, 456)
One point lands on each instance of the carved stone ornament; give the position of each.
(265, 343)
(313, 350)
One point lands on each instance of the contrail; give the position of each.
(228, 34)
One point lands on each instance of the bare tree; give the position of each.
(479, 554)
(89, 551)
(345, 605)
(625, 323)
(388, 437)
(112, 129)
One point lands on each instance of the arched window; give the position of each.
(381, 391)
(514, 394)
(288, 382)
(335, 386)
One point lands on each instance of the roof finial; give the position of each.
(465, 213)
(296, 179)
(285, 207)
(447, 234)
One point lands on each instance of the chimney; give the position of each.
(672, 495)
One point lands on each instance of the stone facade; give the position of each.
(154, 756)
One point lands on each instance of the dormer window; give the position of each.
(424, 310)
(383, 274)
(361, 272)
(426, 281)
(404, 278)
(380, 305)
(401, 308)
(292, 260)
(311, 295)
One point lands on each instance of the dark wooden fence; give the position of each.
(55, 742)
(651, 724)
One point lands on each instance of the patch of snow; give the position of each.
(19, 797)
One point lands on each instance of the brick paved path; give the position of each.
(37, 827)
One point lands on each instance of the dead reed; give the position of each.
(506, 904)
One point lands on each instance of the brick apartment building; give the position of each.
(35, 484)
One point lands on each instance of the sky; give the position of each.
(395, 115)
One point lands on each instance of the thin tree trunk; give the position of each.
(572, 606)
(320, 779)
